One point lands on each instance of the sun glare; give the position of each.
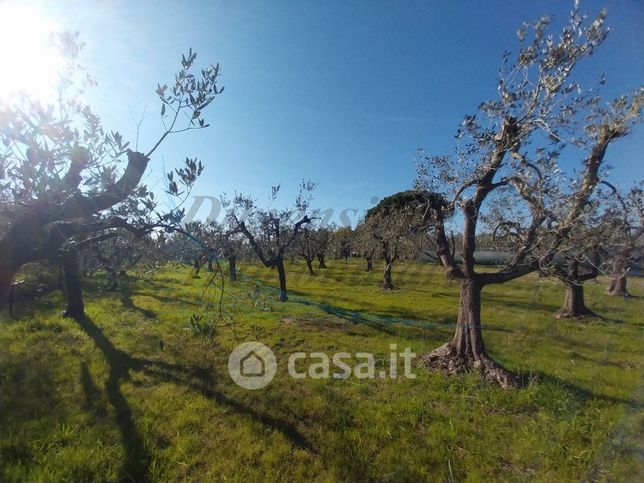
(30, 64)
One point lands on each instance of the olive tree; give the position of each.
(507, 167)
(314, 243)
(306, 248)
(271, 232)
(115, 255)
(626, 239)
(343, 242)
(366, 244)
(393, 230)
(322, 239)
(61, 181)
(229, 243)
(578, 261)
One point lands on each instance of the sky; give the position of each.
(341, 93)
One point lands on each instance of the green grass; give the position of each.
(101, 400)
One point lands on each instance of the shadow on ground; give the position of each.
(137, 456)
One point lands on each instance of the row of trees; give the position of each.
(607, 240)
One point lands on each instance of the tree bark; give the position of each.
(387, 283)
(468, 339)
(112, 280)
(282, 276)
(75, 305)
(309, 265)
(197, 266)
(369, 264)
(466, 350)
(617, 286)
(232, 268)
(574, 305)
(321, 263)
(17, 247)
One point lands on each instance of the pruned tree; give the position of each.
(313, 243)
(60, 183)
(394, 230)
(271, 232)
(322, 238)
(366, 244)
(579, 260)
(626, 228)
(230, 243)
(115, 256)
(343, 242)
(198, 247)
(306, 248)
(593, 242)
(506, 169)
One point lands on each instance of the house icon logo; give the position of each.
(252, 365)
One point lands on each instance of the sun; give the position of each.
(30, 63)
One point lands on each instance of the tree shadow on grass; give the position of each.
(126, 299)
(169, 300)
(201, 381)
(581, 393)
(137, 456)
(392, 325)
(515, 303)
(377, 323)
(621, 364)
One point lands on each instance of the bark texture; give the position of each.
(309, 265)
(574, 305)
(232, 268)
(282, 277)
(387, 282)
(617, 287)
(321, 263)
(75, 305)
(466, 351)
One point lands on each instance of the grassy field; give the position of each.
(133, 392)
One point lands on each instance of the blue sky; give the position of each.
(342, 93)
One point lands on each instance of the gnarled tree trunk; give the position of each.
(387, 283)
(309, 265)
(24, 241)
(232, 268)
(617, 286)
(112, 283)
(574, 305)
(21, 244)
(75, 305)
(466, 350)
(369, 264)
(321, 263)
(279, 264)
